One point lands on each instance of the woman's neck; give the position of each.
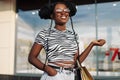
(60, 27)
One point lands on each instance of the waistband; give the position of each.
(62, 68)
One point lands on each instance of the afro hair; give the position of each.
(46, 11)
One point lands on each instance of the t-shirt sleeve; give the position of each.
(40, 38)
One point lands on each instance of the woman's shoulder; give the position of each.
(43, 31)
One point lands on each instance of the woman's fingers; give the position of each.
(101, 42)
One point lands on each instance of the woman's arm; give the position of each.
(85, 53)
(32, 58)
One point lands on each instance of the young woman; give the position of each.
(59, 43)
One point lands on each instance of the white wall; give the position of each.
(7, 36)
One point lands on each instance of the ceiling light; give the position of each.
(114, 4)
(33, 13)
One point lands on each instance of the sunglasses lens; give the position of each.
(66, 10)
(61, 10)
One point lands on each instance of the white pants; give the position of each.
(61, 75)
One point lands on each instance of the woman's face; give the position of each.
(61, 14)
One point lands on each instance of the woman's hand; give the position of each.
(99, 42)
(85, 53)
(50, 71)
(53, 72)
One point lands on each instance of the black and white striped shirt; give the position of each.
(59, 45)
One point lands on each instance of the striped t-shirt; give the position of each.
(59, 45)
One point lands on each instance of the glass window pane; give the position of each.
(108, 18)
(109, 28)
(28, 25)
(84, 25)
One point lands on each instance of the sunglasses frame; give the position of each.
(66, 10)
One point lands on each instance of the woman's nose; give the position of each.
(63, 12)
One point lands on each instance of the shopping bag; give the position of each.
(84, 73)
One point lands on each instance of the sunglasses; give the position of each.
(62, 10)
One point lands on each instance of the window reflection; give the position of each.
(28, 25)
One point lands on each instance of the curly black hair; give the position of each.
(47, 10)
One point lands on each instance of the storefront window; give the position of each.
(28, 25)
(109, 28)
(85, 24)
